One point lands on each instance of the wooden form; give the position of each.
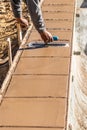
(19, 33)
(9, 51)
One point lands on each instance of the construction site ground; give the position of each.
(37, 96)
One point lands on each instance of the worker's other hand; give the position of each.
(46, 36)
(23, 22)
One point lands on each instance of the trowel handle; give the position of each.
(55, 38)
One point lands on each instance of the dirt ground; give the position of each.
(7, 29)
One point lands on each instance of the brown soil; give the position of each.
(7, 29)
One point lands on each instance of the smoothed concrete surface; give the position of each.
(38, 86)
(37, 95)
(32, 112)
(43, 66)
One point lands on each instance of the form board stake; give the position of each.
(9, 51)
(19, 33)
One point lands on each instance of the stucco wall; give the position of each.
(77, 114)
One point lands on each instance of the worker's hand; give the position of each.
(46, 36)
(23, 22)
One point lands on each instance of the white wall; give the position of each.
(77, 114)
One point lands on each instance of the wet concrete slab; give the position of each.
(54, 15)
(59, 2)
(58, 8)
(48, 51)
(37, 95)
(38, 86)
(47, 66)
(59, 25)
(62, 47)
(63, 34)
(28, 128)
(56, 24)
(33, 112)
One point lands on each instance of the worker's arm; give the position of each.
(16, 7)
(34, 9)
(36, 16)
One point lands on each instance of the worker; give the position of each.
(36, 16)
